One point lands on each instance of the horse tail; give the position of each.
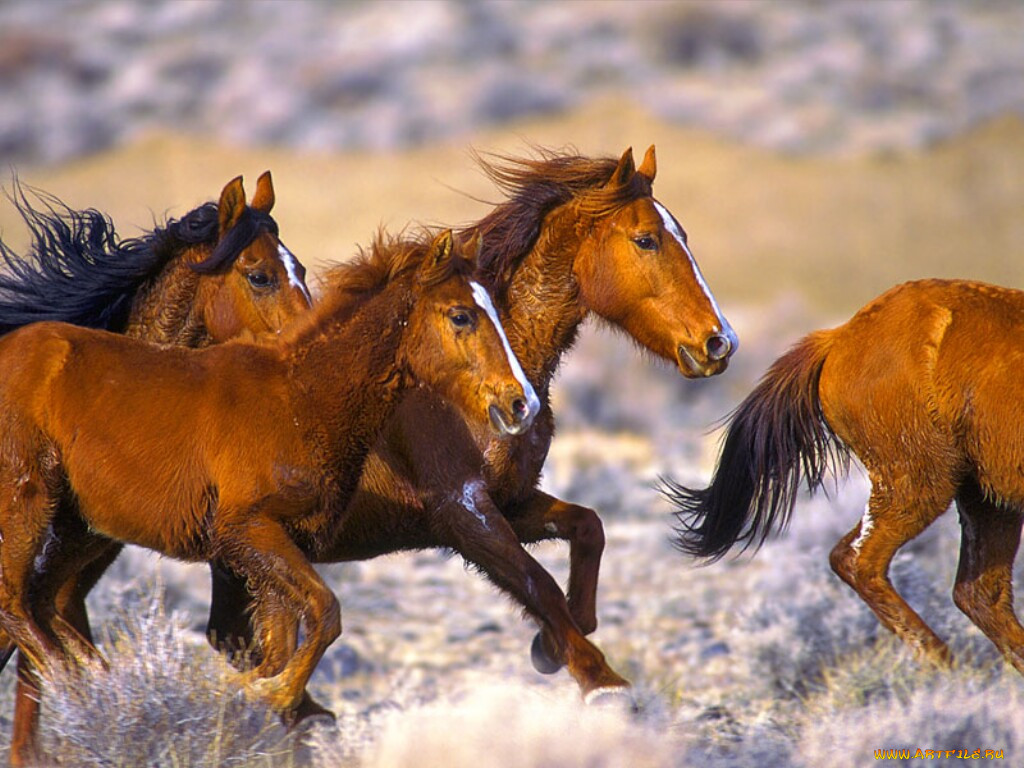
(77, 269)
(774, 439)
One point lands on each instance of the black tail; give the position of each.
(77, 269)
(775, 438)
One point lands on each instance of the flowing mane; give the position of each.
(534, 187)
(346, 285)
(78, 270)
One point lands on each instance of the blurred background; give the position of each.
(838, 147)
(816, 152)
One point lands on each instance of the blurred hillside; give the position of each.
(826, 149)
(77, 76)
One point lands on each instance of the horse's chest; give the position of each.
(513, 467)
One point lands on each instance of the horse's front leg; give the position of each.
(283, 583)
(472, 525)
(234, 613)
(541, 517)
(229, 628)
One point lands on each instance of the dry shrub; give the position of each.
(506, 725)
(968, 710)
(164, 702)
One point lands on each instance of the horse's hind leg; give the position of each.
(62, 584)
(26, 511)
(229, 629)
(984, 579)
(897, 512)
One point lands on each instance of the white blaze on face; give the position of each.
(290, 266)
(673, 229)
(483, 300)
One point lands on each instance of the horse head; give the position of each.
(455, 341)
(255, 282)
(636, 270)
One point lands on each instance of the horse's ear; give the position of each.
(441, 248)
(438, 258)
(471, 248)
(624, 170)
(231, 205)
(263, 198)
(649, 167)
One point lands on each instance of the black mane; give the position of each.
(79, 271)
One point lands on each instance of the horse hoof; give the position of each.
(310, 712)
(614, 697)
(542, 660)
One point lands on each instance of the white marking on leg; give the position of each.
(483, 300)
(468, 500)
(673, 229)
(290, 266)
(867, 523)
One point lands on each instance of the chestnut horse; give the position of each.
(577, 236)
(201, 279)
(921, 385)
(246, 453)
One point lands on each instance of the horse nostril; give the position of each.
(519, 409)
(718, 346)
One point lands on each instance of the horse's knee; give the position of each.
(964, 595)
(326, 615)
(588, 530)
(982, 601)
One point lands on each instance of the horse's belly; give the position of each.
(166, 517)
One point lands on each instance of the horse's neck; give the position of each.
(165, 308)
(543, 301)
(347, 378)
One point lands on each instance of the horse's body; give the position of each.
(216, 272)
(922, 386)
(242, 453)
(578, 236)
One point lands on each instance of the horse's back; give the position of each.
(928, 369)
(137, 427)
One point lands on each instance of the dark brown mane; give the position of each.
(535, 186)
(346, 285)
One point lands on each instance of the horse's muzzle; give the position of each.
(711, 360)
(514, 419)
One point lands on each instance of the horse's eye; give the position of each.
(258, 279)
(646, 243)
(460, 318)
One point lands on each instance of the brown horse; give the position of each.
(246, 453)
(577, 236)
(921, 386)
(217, 271)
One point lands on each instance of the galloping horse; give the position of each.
(576, 236)
(246, 453)
(217, 271)
(921, 385)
